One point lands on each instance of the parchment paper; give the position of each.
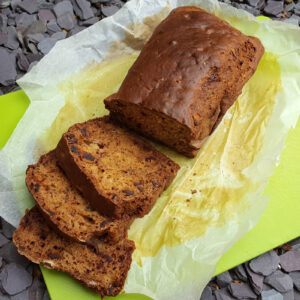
(217, 197)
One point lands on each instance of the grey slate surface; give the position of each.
(3, 240)
(8, 71)
(290, 261)
(280, 281)
(207, 294)
(240, 272)
(62, 8)
(296, 295)
(241, 291)
(265, 264)
(45, 15)
(10, 254)
(224, 279)
(83, 9)
(256, 280)
(29, 6)
(7, 229)
(296, 279)
(66, 21)
(271, 295)
(223, 294)
(273, 8)
(288, 295)
(21, 296)
(15, 279)
(52, 26)
(46, 45)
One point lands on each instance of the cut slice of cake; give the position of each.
(65, 207)
(118, 172)
(104, 270)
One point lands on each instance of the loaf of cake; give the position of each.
(118, 172)
(186, 77)
(103, 269)
(64, 207)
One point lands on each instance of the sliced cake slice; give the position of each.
(65, 207)
(104, 270)
(116, 170)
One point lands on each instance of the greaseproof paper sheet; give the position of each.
(217, 196)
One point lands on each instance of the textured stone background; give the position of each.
(28, 31)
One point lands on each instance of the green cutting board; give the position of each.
(279, 224)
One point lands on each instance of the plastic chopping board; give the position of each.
(279, 224)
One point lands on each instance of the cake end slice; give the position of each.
(103, 269)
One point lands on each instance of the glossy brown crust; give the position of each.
(103, 271)
(65, 209)
(122, 156)
(191, 70)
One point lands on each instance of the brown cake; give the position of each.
(64, 206)
(186, 77)
(104, 270)
(118, 172)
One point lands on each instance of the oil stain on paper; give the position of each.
(212, 188)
